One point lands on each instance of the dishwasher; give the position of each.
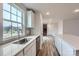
(37, 45)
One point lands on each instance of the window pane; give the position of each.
(6, 6)
(6, 15)
(13, 10)
(6, 29)
(13, 17)
(19, 13)
(20, 29)
(14, 29)
(19, 19)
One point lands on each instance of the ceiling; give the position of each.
(57, 10)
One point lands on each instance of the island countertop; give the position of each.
(72, 40)
(11, 49)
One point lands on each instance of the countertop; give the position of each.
(11, 49)
(72, 40)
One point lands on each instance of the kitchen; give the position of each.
(23, 42)
(23, 27)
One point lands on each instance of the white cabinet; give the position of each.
(58, 44)
(67, 50)
(63, 47)
(30, 19)
(33, 49)
(20, 54)
(30, 50)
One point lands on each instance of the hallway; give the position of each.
(48, 48)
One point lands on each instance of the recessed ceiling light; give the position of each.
(48, 13)
(76, 10)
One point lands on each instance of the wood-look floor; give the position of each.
(48, 48)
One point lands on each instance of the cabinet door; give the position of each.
(20, 54)
(33, 49)
(33, 20)
(27, 50)
(30, 50)
(58, 44)
(67, 50)
(30, 19)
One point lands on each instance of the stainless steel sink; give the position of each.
(22, 41)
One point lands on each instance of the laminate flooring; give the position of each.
(48, 48)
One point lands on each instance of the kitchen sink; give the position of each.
(22, 41)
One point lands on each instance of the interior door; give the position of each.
(44, 29)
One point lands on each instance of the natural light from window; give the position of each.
(12, 21)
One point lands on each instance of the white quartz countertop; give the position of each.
(11, 49)
(72, 40)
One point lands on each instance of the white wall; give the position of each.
(71, 26)
(60, 27)
(57, 28)
(38, 25)
(54, 26)
(50, 28)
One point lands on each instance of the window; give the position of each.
(14, 29)
(20, 29)
(14, 10)
(6, 29)
(6, 7)
(6, 15)
(13, 17)
(12, 21)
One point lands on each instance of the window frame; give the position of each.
(22, 21)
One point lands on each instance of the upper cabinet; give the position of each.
(30, 19)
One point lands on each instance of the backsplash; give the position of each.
(28, 31)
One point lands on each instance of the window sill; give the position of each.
(10, 39)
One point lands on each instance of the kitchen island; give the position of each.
(67, 45)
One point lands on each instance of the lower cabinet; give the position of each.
(67, 50)
(37, 45)
(58, 44)
(30, 50)
(20, 53)
(64, 48)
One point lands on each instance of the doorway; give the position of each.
(44, 29)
